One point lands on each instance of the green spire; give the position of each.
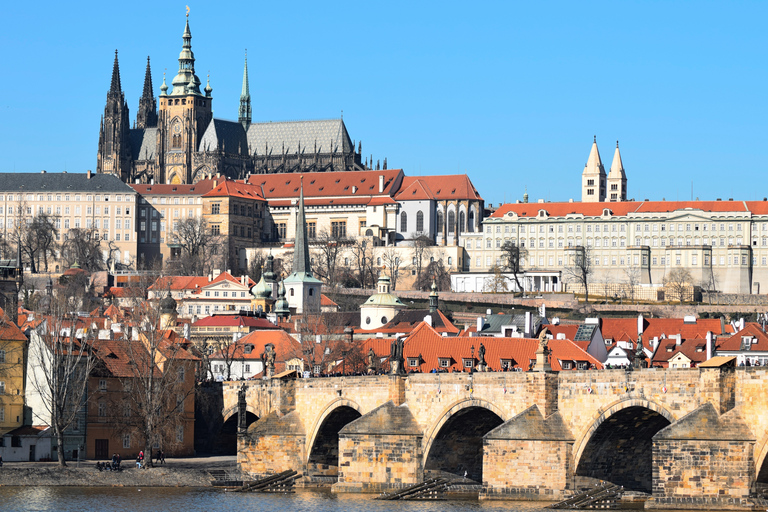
(301, 251)
(244, 116)
(186, 82)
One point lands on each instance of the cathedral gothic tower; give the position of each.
(114, 155)
(146, 117)
(185, 113)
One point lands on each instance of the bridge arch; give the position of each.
(761, 457)
(459, 431)
(617, 445)
(334, 416)
(226, 440)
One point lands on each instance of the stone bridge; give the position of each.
(688, 437)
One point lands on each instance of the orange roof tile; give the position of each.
(753, 329)
(452, 186)
(618, 209)
(327, 184)
(195, 189)
(231, 188)
(286, 347)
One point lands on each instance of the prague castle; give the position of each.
(179, 140)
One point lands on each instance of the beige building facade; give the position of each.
(87, 201)
(723, 244)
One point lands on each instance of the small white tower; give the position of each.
(593, 177)
(617, 179)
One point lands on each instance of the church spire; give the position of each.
(146, 116)
(593, 177)
(301, 251)
(186, 82)
(244, 116)
(617, 167)
(115, 86)
(617, 178)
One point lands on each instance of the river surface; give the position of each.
(153, 499)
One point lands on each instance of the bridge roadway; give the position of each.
(691, 438)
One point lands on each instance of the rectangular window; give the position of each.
(312, 229)
(180, 434)
(339, 229)
(215, 208)
(127, 441)
(215, 229)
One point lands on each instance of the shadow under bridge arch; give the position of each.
(323, 445)
(453, 447)
(618, 446)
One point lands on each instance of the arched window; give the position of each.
(403, 222)
(439, 226)
(176, 135)
(471, 224)
(311, 292)
(291, 292)
(451, 222)
(461, 222)
(419, 221)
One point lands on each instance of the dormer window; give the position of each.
(444, 362)
(746, 342)
(469, 363)
(413, 362)
(566, 365)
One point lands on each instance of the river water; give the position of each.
(153, 499)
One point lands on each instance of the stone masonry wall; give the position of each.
(700, 473)
(526, 469)
(375, 463)
(270, 454)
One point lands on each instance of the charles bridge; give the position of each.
(690, 438)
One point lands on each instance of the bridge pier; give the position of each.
(273, 444)
(528, 457)
(703, 460)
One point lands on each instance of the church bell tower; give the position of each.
(114, 155)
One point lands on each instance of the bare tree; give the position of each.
(513, 257)
(161, 377)
(679, 282)
(328, 247)
(497, 282)
(199, 247)
(83, 246)
(709, 282)
(60, 362)
(436, 271)
(422, 249)
(392, 264)
(579, 268)
(632, 279)
(362, 252)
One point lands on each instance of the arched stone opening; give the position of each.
(324, 453)
(620, 449)
(456, 450)
(227, 439)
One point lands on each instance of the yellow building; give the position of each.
(13, 354)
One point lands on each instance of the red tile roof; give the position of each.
(326, 302)
(569, 330)
(286, 347)
(429, 348)
(693, 349)
(231, 188)
(194, 282)
(625, 329)
(452, 186)
(753, 329)
(8, 330)
(217, 320)
(360, 184)
(621, 208)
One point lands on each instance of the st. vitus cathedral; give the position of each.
(184, 143)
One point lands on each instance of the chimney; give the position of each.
(44, 171)
(480, 323)
(210, 277)
(709, 345)
(679, 340)
(655, 342)
(381, 183)
(216, 273)
(561, 336)
(528, 322)
(428, 320)
(152, 181)
(741, 323)
(89, 174)
(640, 324)
(242, 280)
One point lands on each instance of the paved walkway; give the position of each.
(206, 463)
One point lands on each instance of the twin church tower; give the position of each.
(596, 187)
(179, 140)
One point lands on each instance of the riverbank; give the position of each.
(192, 472)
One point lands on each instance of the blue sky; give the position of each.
(509, 93)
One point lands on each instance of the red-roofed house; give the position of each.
(426, 350)
(242, 359)
(749, 345)
(201, 296)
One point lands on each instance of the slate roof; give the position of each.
(62, 182)
(143, 143)
(229, 136)
(494, 323)
(329, 134)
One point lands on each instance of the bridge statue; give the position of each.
(481, 364)
(542, 353)
(396, 361)
(268, 360)
(371, 361)
(242, 426)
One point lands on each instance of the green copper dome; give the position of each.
(262, 290)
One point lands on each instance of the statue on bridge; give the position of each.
(371, 361)
(542, 353)
(268, 360)
(241, 409)
(481, 364)
(638, 358)
(396, 361)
